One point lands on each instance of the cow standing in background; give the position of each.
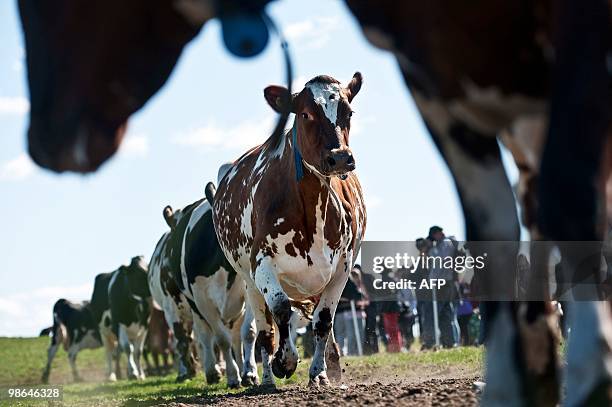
(158, 342)
(196, 287)
(130, 301)
(120, 307)
(75, 328)
(166, 293)
(290, 218)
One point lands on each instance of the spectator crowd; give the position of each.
(363, 321)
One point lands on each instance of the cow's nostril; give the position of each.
(331, 161)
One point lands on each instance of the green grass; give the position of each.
(23, 359)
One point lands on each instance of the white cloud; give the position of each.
(17, 169)
(313, 33)
(237, 137)
(16, 105)
(135, 145)
(26, 313)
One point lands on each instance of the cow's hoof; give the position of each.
(112, 377)
(280, 369)
(319, 381)
(233, 384)
(267, 388)
(249, 379)
(45, 378)
(213, 377)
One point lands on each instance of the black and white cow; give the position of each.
(166, 293)
(130, 302)
(75, 328)
(188, 268)
(120, 306)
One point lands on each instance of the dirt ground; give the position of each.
(449, 387)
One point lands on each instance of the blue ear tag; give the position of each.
(299, 168)
(245, 34)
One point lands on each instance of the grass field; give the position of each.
(22, 361)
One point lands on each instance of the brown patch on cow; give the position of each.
(290, 250)
(265, 340)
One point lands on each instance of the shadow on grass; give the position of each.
(200, 396)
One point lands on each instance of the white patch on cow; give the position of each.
(196, 215)
(279, 221)
(322, 93)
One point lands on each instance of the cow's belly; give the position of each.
(301, 280)
(212, 291)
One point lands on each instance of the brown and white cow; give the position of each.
(290, 218)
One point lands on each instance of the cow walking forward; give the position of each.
(74, 328)
(290, 217)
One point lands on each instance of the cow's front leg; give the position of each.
(109, 349)
(286, 357)
(322, 323)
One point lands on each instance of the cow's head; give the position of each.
(136, 276)
(323, 121)
(90, 66)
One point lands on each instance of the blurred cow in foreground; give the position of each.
(75, 329)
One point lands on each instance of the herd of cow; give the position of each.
(537, 73)
(247, 240)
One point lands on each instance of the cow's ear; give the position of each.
(352, 89)
(279, 98)
(169, 216)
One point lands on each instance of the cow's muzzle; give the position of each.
(338, 162)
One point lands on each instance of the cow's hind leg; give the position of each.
(265, 332)
(286, 357)
(128, 348)
(73, 350)
(209, 357)
(248, 335)
(56, 340)
(138, 342)
(322, 323)
(220, 334)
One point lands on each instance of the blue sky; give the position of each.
(58, 232)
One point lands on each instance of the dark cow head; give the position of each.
(90, 66)
(323, 121)
(136, 276)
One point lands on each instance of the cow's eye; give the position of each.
(305, 116)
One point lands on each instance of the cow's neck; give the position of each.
(322, 207)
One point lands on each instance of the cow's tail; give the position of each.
(209, 191)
